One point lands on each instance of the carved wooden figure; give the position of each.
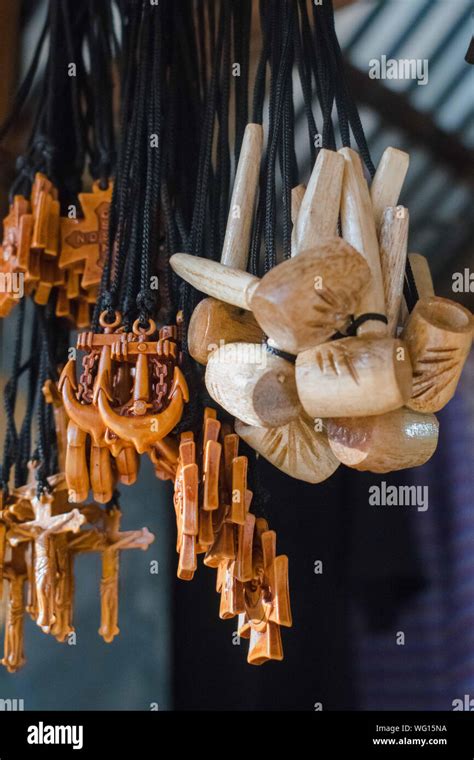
(16, 574)
(109, 542)
(41, 530)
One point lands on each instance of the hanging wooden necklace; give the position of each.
(314, 361)
(340, 378)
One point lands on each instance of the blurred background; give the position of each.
(385, 570)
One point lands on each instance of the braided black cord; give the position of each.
(25, 87)
(10, 443)
(305, 81)
(24, 440)
(276, 120)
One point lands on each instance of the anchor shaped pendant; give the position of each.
(129, 398)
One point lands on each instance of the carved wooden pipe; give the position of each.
(401, 438)
(298, 303)
(423, 281)
(301, 302)
(254, 385)
(296, 448)
(439, 337)
(215, 322)
(369, 374)
(386, 442)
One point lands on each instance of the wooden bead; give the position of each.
(214, 323)
(384, 443)
(304, 301)
(253, 384)
(296, 449)
(438, 335)
(354, 377)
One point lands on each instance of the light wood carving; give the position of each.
(438, 335)
(355, 377)
(296, 448)
(213, 278)
(304, 301)
(319, 210)
(358, 229)
(214, 323)
(253, 384)
(236, 245)
(383, 443)
(388, 181)
(423, 281)
(297, 194)
(393, 240)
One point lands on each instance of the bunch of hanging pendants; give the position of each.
(320, 361)
(346, 374)
(75, 250)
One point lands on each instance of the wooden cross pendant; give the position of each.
(85, 240)
(110, 542)
(40, 531)
(16, 573)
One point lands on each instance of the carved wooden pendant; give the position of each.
(297, 448)
(305, 300)
(253, 384)
(384, 443)
(16, 268)
(355, 377)
(129, 398)
(85, 240)
(439, 338)
(212, 504)
(40, 538)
